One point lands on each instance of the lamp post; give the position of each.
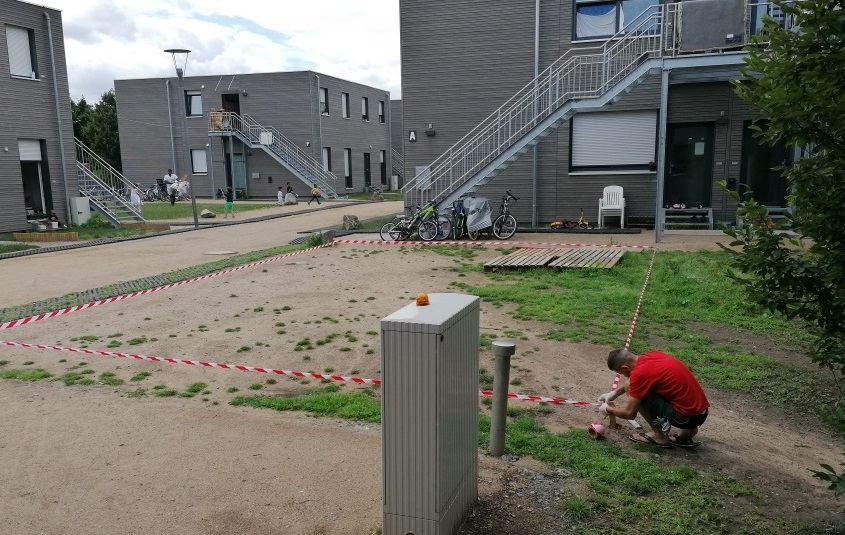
(180, 73)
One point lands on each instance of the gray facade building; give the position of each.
(37, 158)
(344, 126)
(463, 61)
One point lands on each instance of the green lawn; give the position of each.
(154, 211)
(13, 247)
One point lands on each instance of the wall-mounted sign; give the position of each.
(412, 135)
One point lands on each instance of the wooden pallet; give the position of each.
(580, 257)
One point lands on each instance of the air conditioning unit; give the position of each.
(265, 138)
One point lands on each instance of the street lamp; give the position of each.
(180, 73)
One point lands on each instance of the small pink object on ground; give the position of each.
(596, 430)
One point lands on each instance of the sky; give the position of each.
(122, 39)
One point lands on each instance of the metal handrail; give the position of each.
(255, 133)
(580, 73)
(397, 161)
(105, 178)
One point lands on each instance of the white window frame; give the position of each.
(344, 105)
(613, 141)
(324, 101)
(199, 161)
(190, 98)
(365, 109)
(327, 159)
(381, 112)
(22, 61)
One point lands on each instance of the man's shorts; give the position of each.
(660, 407)
(229, 207)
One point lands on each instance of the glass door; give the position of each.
(689, 165)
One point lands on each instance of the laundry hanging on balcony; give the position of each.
(596, 20)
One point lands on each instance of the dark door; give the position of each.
(689, 165)
(760, 169)
(367, 174)
(232, 102)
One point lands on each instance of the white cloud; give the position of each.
(107, 40)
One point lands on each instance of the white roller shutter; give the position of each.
(30, 150)
(20, 59)
(198, 161)
(613, 138)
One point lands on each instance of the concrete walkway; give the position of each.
(42, 276)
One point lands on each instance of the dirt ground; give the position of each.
(95, 459)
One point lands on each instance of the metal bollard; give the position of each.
(503, 349)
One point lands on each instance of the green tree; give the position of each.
(796, 80)
(96, 126)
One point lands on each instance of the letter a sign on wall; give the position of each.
(412, 135)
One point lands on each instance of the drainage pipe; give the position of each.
(58, 113)
(170, 122)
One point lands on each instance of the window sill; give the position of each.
(194, 116)
(613, 172)
(200, 174)
(30, 78)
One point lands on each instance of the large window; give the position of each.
(327, 159)
(347, 167)
(382, 160)
(344, 105)
(381, 112)
(198, 162)
(365, 108)
(624, 140)
(602, 18)
(21, 43)
(193, 104)
(324, 100)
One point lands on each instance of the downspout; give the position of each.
(170, 122)
(58, 112)
(320, 123)
(536, 73)
(388, 158)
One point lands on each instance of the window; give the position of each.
(381, 112)
(759, 169)
(324, 100)
(596, 19)
(613, 140)
(193, 104)
(21, 43)
(344, 105)
(347, 167)
(327, 159)
(382, 158)
(198, 162)
(365, 108)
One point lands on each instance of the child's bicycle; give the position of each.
(581, 223)
(422, 222)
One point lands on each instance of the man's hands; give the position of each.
(603, 409)
(606, 398)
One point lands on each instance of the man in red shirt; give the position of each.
(662, 389)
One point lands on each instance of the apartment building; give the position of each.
(256, 132)
(37, 159)
(556, 99)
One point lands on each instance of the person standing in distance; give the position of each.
(664, 391)
(169, 181)
(229, 207)
(315, 194)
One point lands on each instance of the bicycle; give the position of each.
(419, 222)
(504, 226)
(459, 219)
(155, 193)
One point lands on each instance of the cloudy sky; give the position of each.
(107, 40)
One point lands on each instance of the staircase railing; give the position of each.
(397, 162)
(97, 178)
(303, 164)
(580, 73)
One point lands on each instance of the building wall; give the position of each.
(461, 62)
(286, 101)
(28, 109)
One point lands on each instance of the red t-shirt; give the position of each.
(667, 376)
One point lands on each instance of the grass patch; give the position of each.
(139, 376)
(163, 210)
(15, 247)
(109, 378)
(25, 375)
(362, 405)
(196, 388)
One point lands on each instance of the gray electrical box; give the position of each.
(80, 210)
(429, 363)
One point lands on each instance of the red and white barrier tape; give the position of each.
(271, 371)
(77, 308)
(202, 364)
(499, 243)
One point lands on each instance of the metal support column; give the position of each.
(661, 152)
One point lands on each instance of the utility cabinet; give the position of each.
(430, 415)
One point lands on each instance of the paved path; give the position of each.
(36, 277)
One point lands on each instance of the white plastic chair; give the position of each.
(612, 203)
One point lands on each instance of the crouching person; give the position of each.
(664, 391)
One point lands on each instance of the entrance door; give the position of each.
(367, 174)
(689, 165)
(236, 173)
(232, 102)
(38, 195)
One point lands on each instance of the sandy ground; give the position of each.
(94, 459)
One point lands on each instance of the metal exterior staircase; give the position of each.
(397, 162)
(105, 187)
(584, 79)
(274, 143)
